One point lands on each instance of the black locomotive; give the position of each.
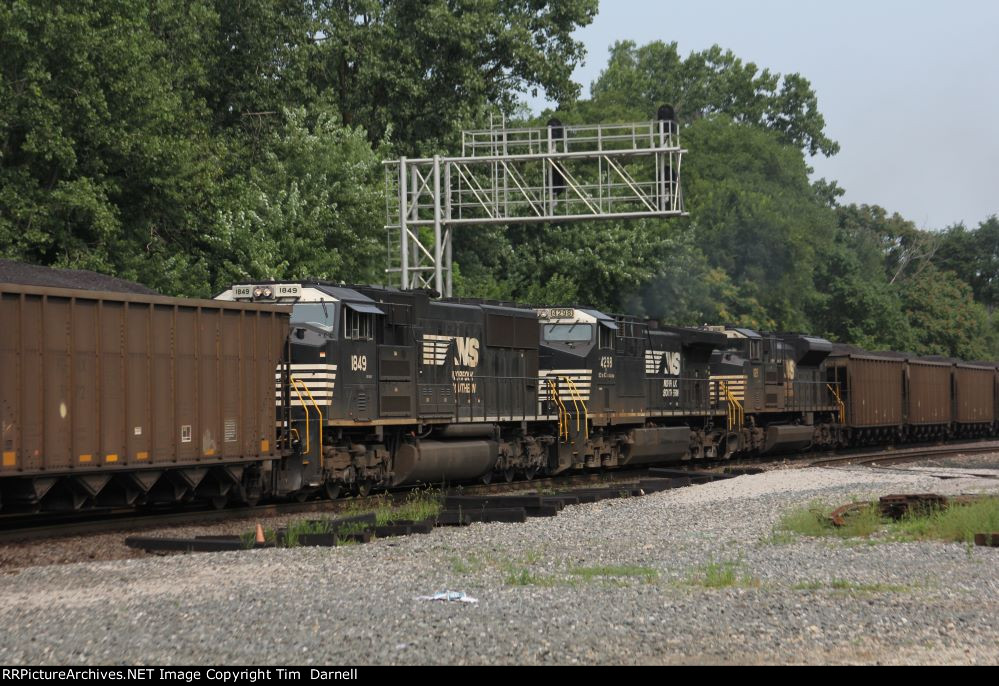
(391, 387)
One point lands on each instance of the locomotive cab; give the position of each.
(332, 352)
(579, 361)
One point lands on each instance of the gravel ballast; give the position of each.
(621, 581)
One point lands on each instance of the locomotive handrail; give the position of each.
(736, 413)
(574, 391)
(319, 412)
(563, 414)
(841, 406)
(575, 404)
(292, 380)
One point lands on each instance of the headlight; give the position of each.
(268, 292)
(257, 292)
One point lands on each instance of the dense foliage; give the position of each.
(189, 143)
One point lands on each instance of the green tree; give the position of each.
(423, 69)
(639, 79)
(757, 217)
(945, 318)
(311, 207)
(974, 257)
(104, 158)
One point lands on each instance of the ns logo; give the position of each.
(437, 349)
(671, 364)
(466, 352)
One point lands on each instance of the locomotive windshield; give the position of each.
(316, 317)
(568, 332)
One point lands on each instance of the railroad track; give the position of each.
(891, 456)
(31, 527)
(23, 528)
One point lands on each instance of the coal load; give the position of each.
(80, 279)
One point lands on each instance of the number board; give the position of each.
(556, 314)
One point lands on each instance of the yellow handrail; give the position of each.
(563, 414)
(574, 390)
(308, 433)
(551, 397)
(319, 412)
(736, 414)
(841, 406)
(563, 409)
(575, 404)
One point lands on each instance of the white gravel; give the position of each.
(808, 601)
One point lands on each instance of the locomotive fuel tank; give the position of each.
(644, 446)
(437, 462)
(788, 437)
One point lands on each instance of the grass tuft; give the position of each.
(725, 574)
(957, 523)
(296, 529)
(524, 577)
(418, 506)
(590, 573)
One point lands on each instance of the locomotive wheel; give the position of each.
(486, 478)
(530, 472)
(332, 490)
(509, 474)
(219, 501)
(363, 488)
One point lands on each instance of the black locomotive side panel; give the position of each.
(630, 345)
(806, 388)
(450, 351)
(478, 363)
(668, 390)
(509, 369)
(678, 364)
(397, 350)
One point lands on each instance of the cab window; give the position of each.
(357, 326)
(606, 338)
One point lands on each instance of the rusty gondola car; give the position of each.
(928, 404)
(871, 386)
(974, 399)
(110, 398)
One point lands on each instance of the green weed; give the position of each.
(524, 577)
(726, 574)
(590, 573)
(297, 529)
(957, 523)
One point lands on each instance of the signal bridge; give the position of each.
(555, 173)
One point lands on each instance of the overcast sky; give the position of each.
(910, 89)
